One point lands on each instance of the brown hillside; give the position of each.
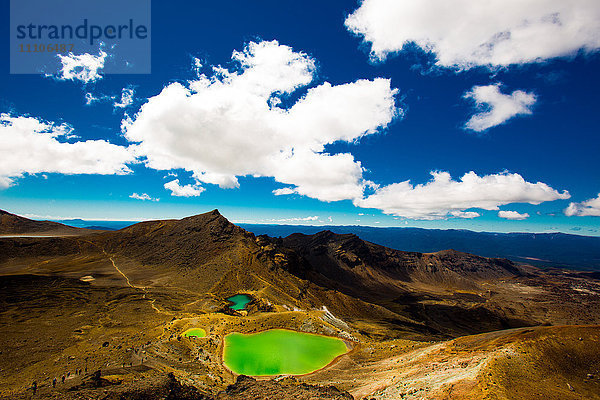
(452, 292)
(11, 224)
(119, 302)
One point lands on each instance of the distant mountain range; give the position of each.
(558, 250)
(96, 225)
(540, 249)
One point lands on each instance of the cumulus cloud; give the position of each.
(83, 67)
(588, 208)
(143, 196)
(465, 214)
(230, 124)
(468, 33)
(495, 107)
(90, 99)
(5, 182)
(513, 215)
(183, 191)
(283, 191)
(444, 197)
(126, 98)
(30, 146)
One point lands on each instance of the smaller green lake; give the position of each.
(239, 301)
(195, 332)
(280, 352)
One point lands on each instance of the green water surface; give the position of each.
(279, 352)
(239, 301)
(195, 332)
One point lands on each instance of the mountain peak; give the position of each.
(182, 243)
(205, 218)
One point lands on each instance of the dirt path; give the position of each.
(124, 276)
(143, 288)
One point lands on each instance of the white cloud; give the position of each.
(513, 215)
(296, 219)
(184, 191)
(90, 99)
(83, 67)
(228, 125)
(496, 107)
(126, 98)
(6, 182)
(283, 191)
(467, 33)
(84, 217)
(31, 146)
(197, 66)
(588, 208)
(443, 197)
(143, 196)
(465, 214)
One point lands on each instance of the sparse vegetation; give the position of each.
(441, 325)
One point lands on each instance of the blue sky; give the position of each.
(349, 132)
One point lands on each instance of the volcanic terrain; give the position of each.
(106, 310)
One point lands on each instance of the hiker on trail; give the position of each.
(63, 379)
(34, 387)
(54, 382)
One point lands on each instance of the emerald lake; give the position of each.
(195, 332)
(279, 352)
(239, 301)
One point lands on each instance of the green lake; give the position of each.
(279, 352)
(195, 332)
(239, 301)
